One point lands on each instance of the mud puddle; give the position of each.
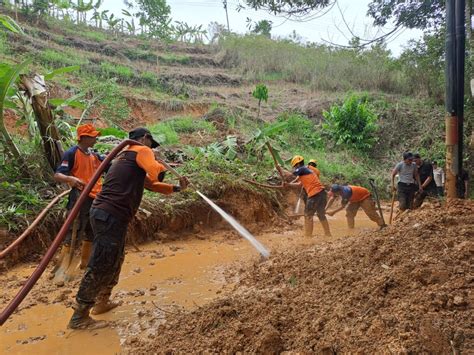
(160, 279)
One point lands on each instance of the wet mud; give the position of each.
(158, 282)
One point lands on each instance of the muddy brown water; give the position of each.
(157, 281)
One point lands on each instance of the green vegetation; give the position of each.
(167, 133)
(122, 73)
(189, 125)
(352, 124)
(320, 66)
(107, 98)
(164, 133)
(52, 58)
(112, 131)
(19, 201)
(261, 94)
(171, 58)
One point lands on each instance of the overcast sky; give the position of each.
(329, 27)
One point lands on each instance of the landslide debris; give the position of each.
(406, 289)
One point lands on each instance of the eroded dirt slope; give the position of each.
(405, 289)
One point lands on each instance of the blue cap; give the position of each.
(335, 187)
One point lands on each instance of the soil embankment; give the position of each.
(406, 289)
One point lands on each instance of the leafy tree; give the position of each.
(411, 14)
(260, 93)
(263, 27)
(423, 63)
(288, 7)
(155, 15)
(352, 124)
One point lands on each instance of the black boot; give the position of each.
(81, 319)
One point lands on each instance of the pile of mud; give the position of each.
(407, 288)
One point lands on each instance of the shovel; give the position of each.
(391, 207)
(372, 184)
(61, 274)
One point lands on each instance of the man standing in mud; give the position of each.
(317, 196)
(408, 174)
(77, 167)
(428, 185)
(134, 169)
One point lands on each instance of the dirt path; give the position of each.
(156, 281)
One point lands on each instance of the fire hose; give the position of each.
(20, 296)
(32, 226)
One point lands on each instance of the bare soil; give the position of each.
(406, 289)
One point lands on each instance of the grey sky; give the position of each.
(328, 27)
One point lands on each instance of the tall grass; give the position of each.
(322, 67)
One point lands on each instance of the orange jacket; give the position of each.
(309, 180)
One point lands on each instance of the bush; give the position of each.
(108, 99)
(300, 131)
(164, 133)
(352, 124)
(149, 78)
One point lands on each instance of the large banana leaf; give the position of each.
(10, 24)
(8, 76)
(55, 72)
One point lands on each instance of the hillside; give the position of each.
(189, 282)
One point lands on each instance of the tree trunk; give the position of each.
(35, 88)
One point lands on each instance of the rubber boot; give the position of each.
(85, 254)
(104, 306)
(81, 319)
(308, 227)
(327, 231)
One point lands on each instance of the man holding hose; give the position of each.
(134, 169)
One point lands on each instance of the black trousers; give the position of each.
(420, 197)
(406, 193)
(317, 204)
(84, 228)
(105, 264)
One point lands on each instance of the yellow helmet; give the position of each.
(296, 159)
(313, 161)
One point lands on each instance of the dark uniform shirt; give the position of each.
(425, 170)
(133, 170)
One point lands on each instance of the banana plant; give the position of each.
(8, 76)
(112, 22)
(130, 24)
(8, 23)
(261, 138)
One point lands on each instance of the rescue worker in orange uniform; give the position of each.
(134, 169)
(317, 196)
(353, 198)
(313, 165)
(77, 167)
